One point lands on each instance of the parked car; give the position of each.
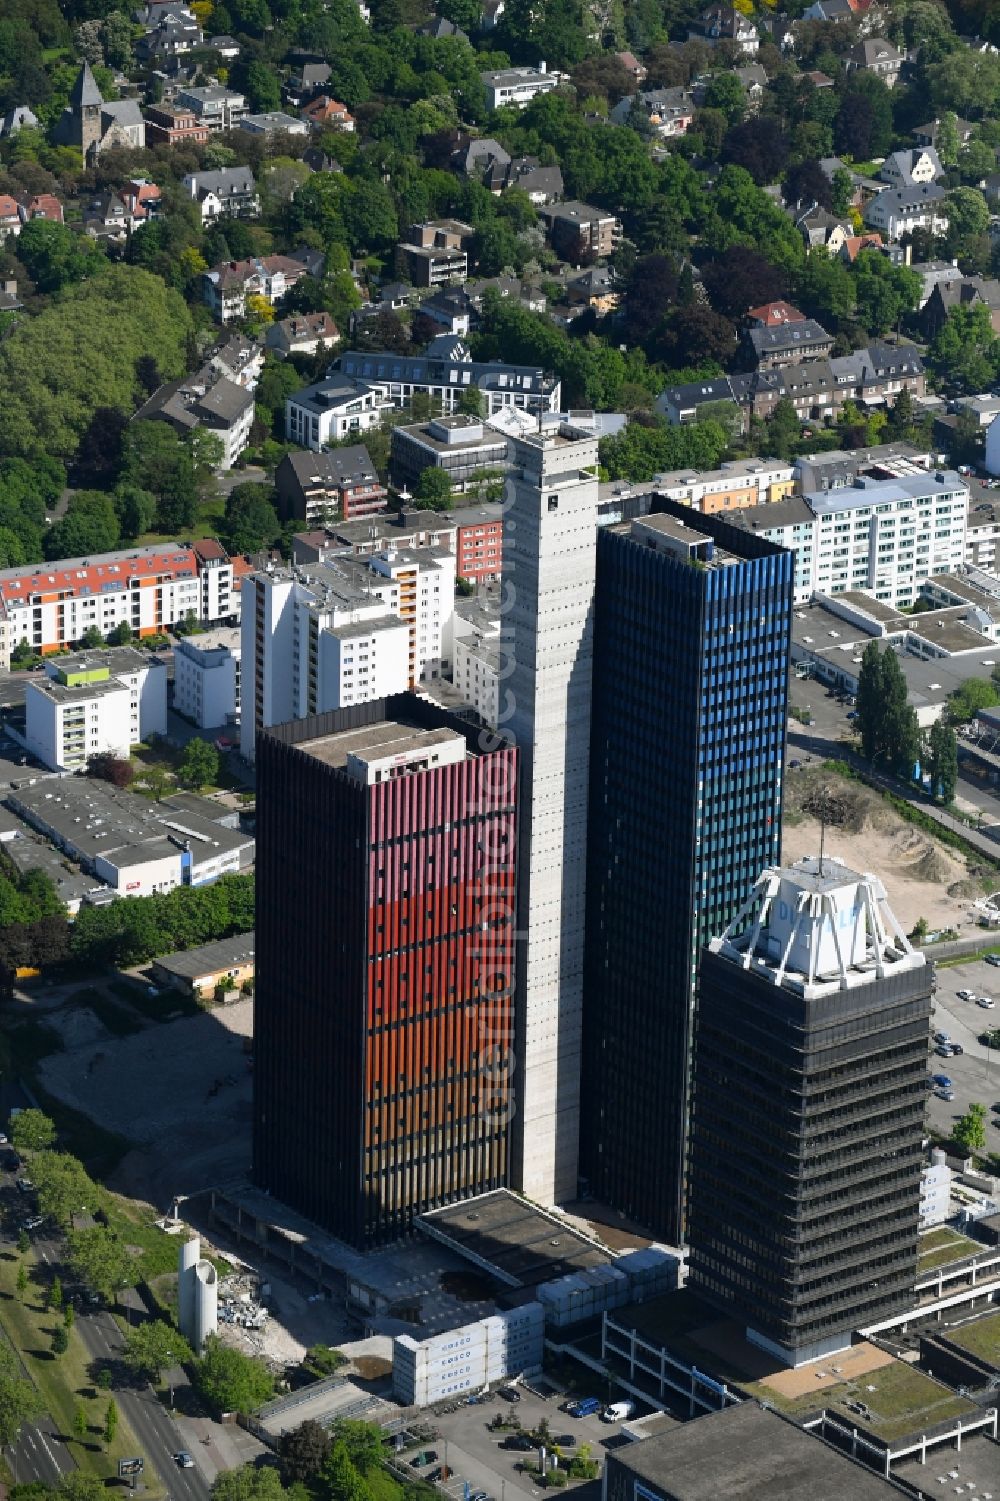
(853, 714)
(987, 1002)
(945, 1094)
(509, 1393)
(944, 1050)
(993, 958)
(567, 1440)
(441, 1473)
(956, 1049)
(585, 1407)
(425, 1457)
(941, 1037)
(970, 995)
(943, 1082)
(517, 1441)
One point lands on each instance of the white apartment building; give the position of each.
(207, 677)
(51, 606)
(887, 536)
(882, 536)
(549, 568)
(518, 86)
(476, 675)
(331, 410)
(100, 703)
(214, 106)
(346, 632)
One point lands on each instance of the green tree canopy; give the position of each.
(942, 759)
(251, 521)
(101, 1260)
(48, 392)
(90, 525)
(153, 1346)
(32, 1131)
(965, 702)
(57, 256)
(970, 1130)
(230, 1381)
(248, 1483)
(199, 763)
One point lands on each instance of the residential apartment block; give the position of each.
(579, 231)
(208, 402)
(517, 86)
(881, 535)
(229, 192)
(446, 372)
(93, 704)
(731, 487)
(434, 255)
(227, 287)
(341, 484)
(333, 409)
(462, 447)
(207, 677)
(51, 606)
(216, 107)
(342, 633)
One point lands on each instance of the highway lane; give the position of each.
(157, 1437)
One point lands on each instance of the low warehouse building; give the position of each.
(210, 965)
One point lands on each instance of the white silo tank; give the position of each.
(190, 1254)
(205, 1281)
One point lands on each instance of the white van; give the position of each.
(617, 1412)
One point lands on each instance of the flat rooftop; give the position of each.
(188, 964)
(520, 1244)
(975, 1472)
(389, 737)
(748, 1451)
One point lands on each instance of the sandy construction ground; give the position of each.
(922, 877)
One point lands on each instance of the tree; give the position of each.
(151, 1347)
(80, 1426)
(342, 1479)
(970, 1129)
(120, 635)
(117, 770)
(54, 1296)
(942, 747)
(760, 146)
(22, 1278)
(136, 509)
(110, 1422)
(32, 1131)
(887, 722)
(78, 1486)
(199, 764)
(64, 1187)
(19, 1400)
(434, 489)
(968, 219)
(248, 1483)
(362, 1441)
(742, 278)
(251, 521)
(965, 351)
(230, 1381)
(57, 256)
(60, 1339)
(965, 701)
(48, 394)
(101, 1260)
(303, 1452)
(884, 291)
(156, 780)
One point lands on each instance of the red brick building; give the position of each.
(168, 125)
(479, 542)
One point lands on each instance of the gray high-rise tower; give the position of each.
(809, 1090)
(549, 553)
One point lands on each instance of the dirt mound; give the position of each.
(918, 858)
(853, 807)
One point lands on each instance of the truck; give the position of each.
(617, 1412)
(585, 1407)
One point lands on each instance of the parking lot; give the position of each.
(473, 1453)
(975, 1074)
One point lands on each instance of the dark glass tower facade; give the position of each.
(384, 951)
(692, 623)
(808, 1112)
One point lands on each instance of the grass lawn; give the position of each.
(63, 1381)
(939, 1247)
(904, 1400)
(980, 1337)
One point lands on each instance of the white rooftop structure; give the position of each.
(817, 927)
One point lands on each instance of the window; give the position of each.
(553, 503)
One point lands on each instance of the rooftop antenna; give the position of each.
(829, 807)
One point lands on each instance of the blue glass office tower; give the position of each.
(692, 621)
